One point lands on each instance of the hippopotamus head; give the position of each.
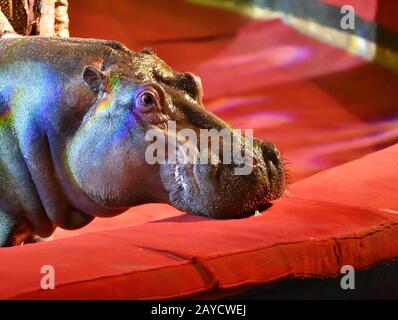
(111, 155)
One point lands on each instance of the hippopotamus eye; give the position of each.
(147, 100)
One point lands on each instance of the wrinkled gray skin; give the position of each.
(73, 117)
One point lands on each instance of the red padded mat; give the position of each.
(326, 221)
(321, 105)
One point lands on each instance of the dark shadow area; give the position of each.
(386, 19)
(377, 282)
(187, 218)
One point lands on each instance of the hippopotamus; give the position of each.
(74, 114)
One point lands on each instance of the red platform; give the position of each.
(321, 105)
(346, 215)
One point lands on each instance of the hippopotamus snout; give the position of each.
(220, 190)
(271, 153)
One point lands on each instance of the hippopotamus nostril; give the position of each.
(270, 153)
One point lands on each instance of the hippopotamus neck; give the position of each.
(27, 97)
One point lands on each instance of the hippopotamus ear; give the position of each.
(94, 78)
(147, 51)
